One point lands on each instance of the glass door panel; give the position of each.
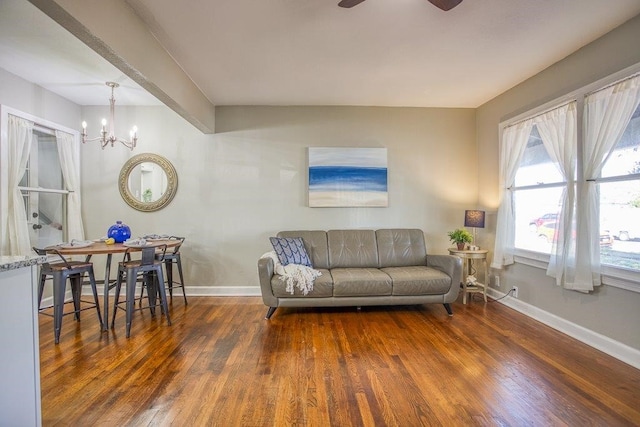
(45, 204)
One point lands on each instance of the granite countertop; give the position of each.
(13, 262)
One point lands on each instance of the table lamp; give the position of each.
(474, 219)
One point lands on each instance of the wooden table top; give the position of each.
(98, 248)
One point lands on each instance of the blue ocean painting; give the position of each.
(347, 177)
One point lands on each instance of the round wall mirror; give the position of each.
(148, 182)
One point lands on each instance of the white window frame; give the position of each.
(611, 276)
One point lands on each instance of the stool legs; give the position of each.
(59, 290)
(131, 295)
(94, 289)
(117, 296)
(59, 285)
(184, 292)
(150, 282)
(168, 266)
(43, 279)
(76, 291)
(155, 283)
(163, 295)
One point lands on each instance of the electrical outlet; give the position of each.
(514, 292)
(497, 280)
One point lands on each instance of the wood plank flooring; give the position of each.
(222, 364)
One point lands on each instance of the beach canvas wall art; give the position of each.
(347, 177)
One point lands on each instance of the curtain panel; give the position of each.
(607, 114)
(15, 238)
(71, 172)
(513, 144)
(558, 130)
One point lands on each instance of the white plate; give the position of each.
(156, 237)
(136, 245)
(77, 244)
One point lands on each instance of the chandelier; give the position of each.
(109, 138)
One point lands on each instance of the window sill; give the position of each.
(611, 276)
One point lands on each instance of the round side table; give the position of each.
(468, 257)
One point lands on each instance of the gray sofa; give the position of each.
(366, 267)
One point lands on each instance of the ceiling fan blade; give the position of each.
(349, 3)
(445, 4)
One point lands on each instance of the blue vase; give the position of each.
(119, 232)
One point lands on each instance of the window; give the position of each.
(619, 187)
(537, 190)
(575, 195)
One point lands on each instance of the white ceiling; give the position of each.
(312, 52)
(39, 50)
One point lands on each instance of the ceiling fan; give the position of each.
(442, 4)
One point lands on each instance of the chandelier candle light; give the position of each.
(111, 138)
(474, 219)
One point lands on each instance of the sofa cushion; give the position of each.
(315, 242)
(352, 248)
(322, 287)
(349, 282)
(290, 250)
(418, 280)
(401, 247)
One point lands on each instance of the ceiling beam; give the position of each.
(115, 32)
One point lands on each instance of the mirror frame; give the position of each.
(172, 182)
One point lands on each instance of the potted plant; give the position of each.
(147, 195)
(460, 237)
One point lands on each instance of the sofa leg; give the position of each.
(447, 306)
(270, 312)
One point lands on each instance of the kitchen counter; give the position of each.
(20, 358)
(13, 262)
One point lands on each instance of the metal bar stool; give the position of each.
(171, 258)
(150, 268)
(59, 272)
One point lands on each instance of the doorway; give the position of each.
(40, 202)
(43, 191)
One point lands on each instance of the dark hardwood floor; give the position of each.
(221, 363)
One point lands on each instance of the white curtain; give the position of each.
(607, 113)
(514, 142)
(558, 130)
(15, 239)
(71, 172)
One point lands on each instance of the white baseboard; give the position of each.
(223, 291)
(196, 291)
(605, 344)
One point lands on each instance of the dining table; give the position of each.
(101, 248)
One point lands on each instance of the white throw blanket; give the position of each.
(296, 275)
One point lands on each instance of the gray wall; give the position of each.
(609, 311)
(24, 96)
(249, 180)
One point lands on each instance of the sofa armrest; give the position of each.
(448, 264)
(265, 273)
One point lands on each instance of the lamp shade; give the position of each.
(474, 218)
